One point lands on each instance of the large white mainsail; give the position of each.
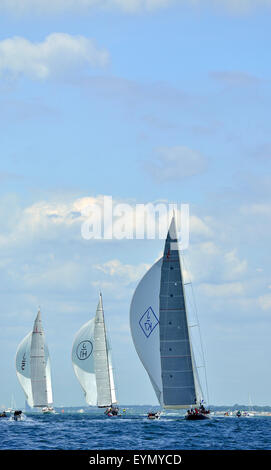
(92, 363)
(33, 367)
(160, 332)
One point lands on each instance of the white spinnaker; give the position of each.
(144, 324)
(23, 367)
(83, 361)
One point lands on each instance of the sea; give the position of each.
(91, 429)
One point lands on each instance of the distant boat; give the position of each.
(160, 332)
(12, 407)
(33, 368)
(92, 363)
(251, 411)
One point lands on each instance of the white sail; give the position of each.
(23, 367)
(160, 332)
(111, 374)
(83, 361)
(144, 324)
(48, 376)
(91, 358)
(33, 367)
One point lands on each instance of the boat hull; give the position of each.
(154, 415)
(196, 417)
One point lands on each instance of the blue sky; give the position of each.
(163, 101)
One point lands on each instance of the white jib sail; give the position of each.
(91, 358)
(160, 331)
(102, 361)
(33, 367)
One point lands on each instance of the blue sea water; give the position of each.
(132, 430)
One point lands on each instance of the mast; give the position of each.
(109, 361)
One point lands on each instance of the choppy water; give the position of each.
(132, 430)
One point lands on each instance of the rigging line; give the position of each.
(114, 371)
(192, 309)
(201, 342)
(197, 348)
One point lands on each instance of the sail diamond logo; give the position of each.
(148, 322)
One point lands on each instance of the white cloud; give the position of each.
(234, 267)
(57, 54)
(52, 274)
(208, 260)
(257, 209)
(175, 163)
(242, 5)
(42, 219)
(128, 6)
(198, 226)
(265, 301)
(230, 289)
(135, 5)
(43, 6)
(129, 273)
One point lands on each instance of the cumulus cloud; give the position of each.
(208, 260)
(198, 226)
(234, 267)
(56, 55)
(230, 289)
(128, 273)
(175, 163)
(49, 218)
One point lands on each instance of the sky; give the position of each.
(142, 101)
